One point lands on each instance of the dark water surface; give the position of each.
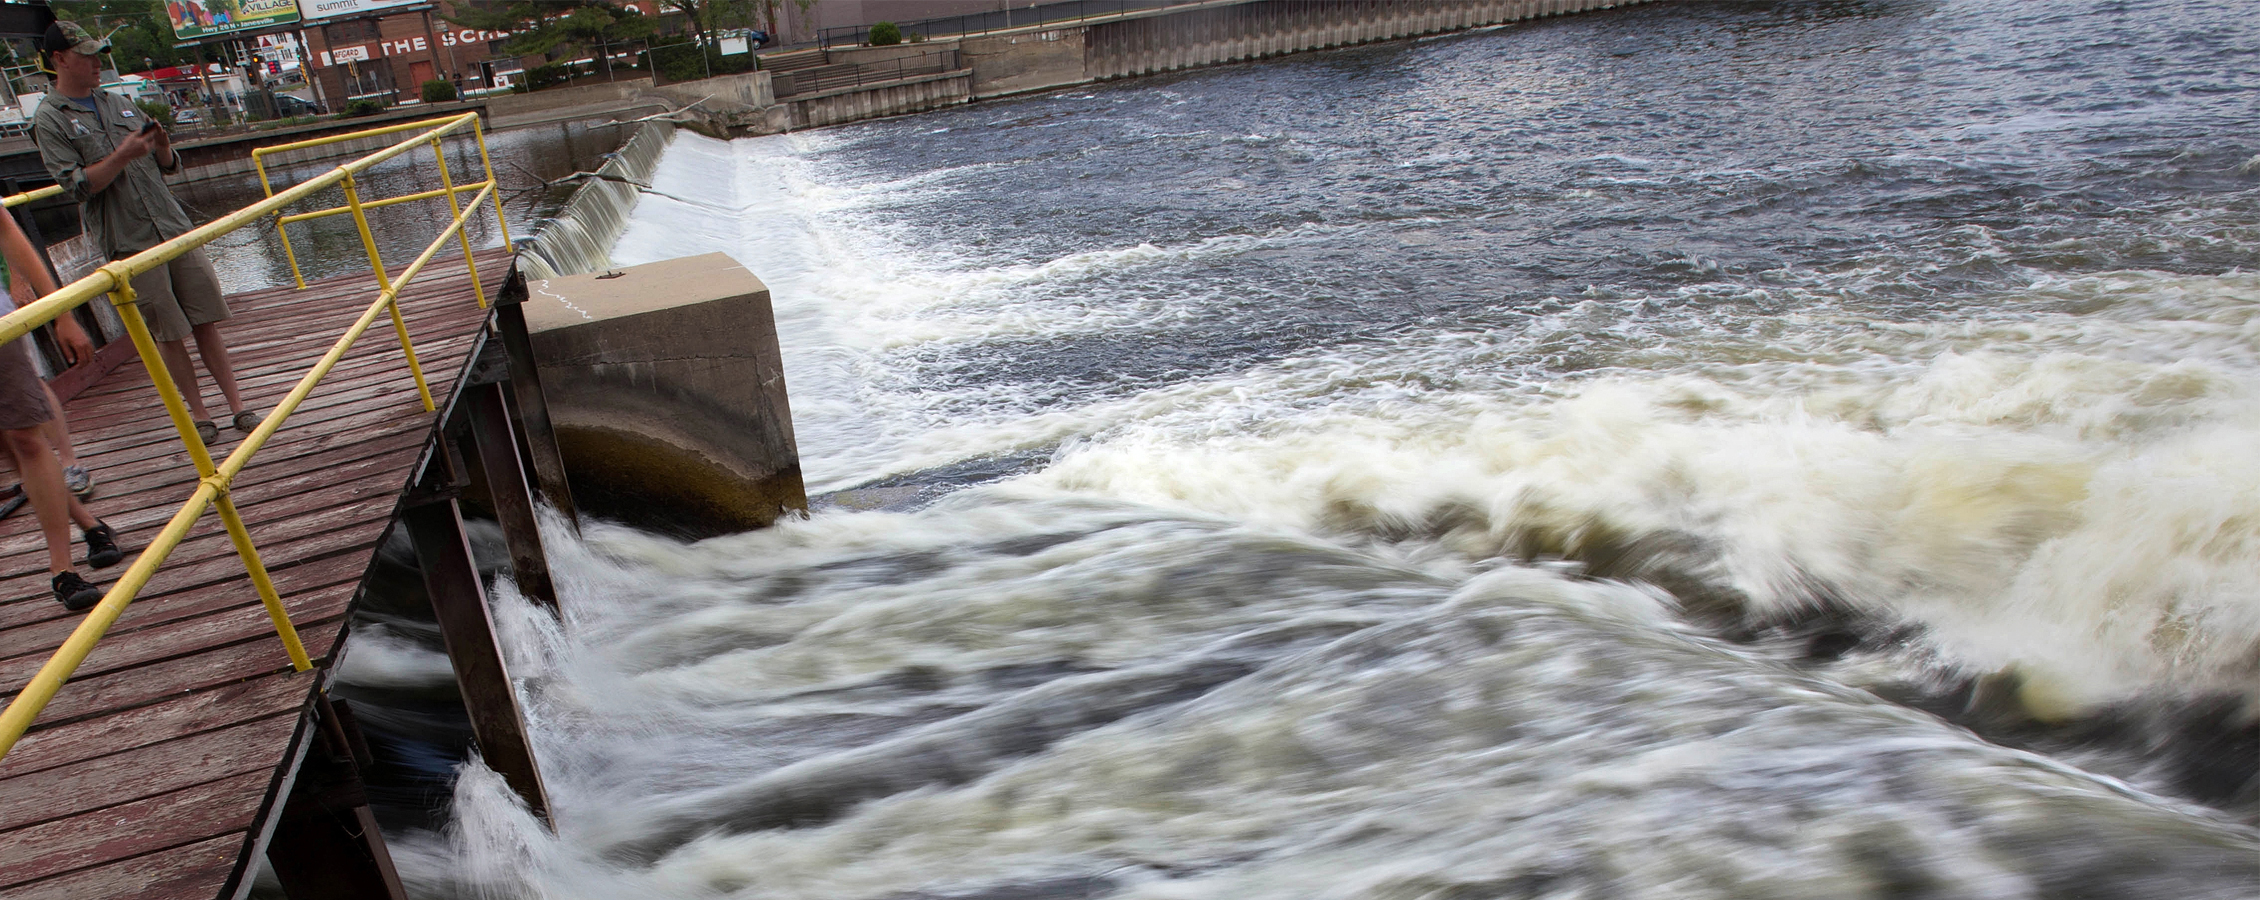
(1706, 449)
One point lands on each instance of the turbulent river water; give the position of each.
(1709, 449)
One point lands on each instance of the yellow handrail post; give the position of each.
(439, 155)
(415, 369)
(361, 221)
(259, 161)
(128, 304)
(257, 569)
(129, 311)
(376, 261)
(478, 130)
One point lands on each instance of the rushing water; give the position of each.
(1702, 450)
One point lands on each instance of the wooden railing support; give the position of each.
(487, 425)
(529, 406)
(435, 527)
(327, 844)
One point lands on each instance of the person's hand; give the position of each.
(135, 145)
(72, 340)
(160, 144)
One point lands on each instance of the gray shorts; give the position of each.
(23, 400)
(181, 294)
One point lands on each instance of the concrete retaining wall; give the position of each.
(1205, 34)
(1210, 35)
(893, 98)
(1153, 41)
(750, 89)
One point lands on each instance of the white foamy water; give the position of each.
(1507, 496)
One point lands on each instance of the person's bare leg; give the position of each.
(58, 432)
(43, 486)
(214, 350)
(184, 376)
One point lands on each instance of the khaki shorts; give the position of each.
(184, 293)
(23, 400)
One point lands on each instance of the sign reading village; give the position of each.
(196, 20)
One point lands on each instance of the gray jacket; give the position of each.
(136, 211)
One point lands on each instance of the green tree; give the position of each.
(555, 30)
(723, 15)
(140, 34)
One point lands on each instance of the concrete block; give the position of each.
(668, 393)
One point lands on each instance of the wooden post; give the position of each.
(327, 844)
(435, 527)
(496, 449)
(529, 404)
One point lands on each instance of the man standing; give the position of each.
(108, 155)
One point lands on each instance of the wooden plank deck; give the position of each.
(155, 768)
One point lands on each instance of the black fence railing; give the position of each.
(664, 60)
(817, 79)
(1016, 14)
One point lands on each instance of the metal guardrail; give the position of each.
(212, 491)
(790, 84)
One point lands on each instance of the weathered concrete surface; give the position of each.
(1019, 62)
(668, 394)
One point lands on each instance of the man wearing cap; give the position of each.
(108, 156)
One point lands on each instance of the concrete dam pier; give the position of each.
(667, 392)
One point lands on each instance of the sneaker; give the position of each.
(206, 431)
(102, 547)
(75, 593)
(79, 482)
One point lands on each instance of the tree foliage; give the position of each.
(724, 15)
(139, 32)
(555, 29)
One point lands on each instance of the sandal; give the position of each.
(207, 432)
(246, 420)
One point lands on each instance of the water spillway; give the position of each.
(1705, 450)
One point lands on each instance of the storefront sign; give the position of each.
(197, 20)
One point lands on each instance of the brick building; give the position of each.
(387, 49)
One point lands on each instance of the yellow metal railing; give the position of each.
(448, 188)
(14, 200)
(213, 483)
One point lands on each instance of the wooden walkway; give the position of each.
(154, 771)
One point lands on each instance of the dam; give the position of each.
(1700, 449)
(1697, 450)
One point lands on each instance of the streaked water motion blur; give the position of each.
(1702, 450)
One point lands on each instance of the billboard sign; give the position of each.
(198, 20)
(317, 10)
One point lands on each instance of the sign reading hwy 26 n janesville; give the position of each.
(195, 20)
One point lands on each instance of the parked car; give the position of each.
(291, 107)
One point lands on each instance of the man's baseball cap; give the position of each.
(64, 35)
